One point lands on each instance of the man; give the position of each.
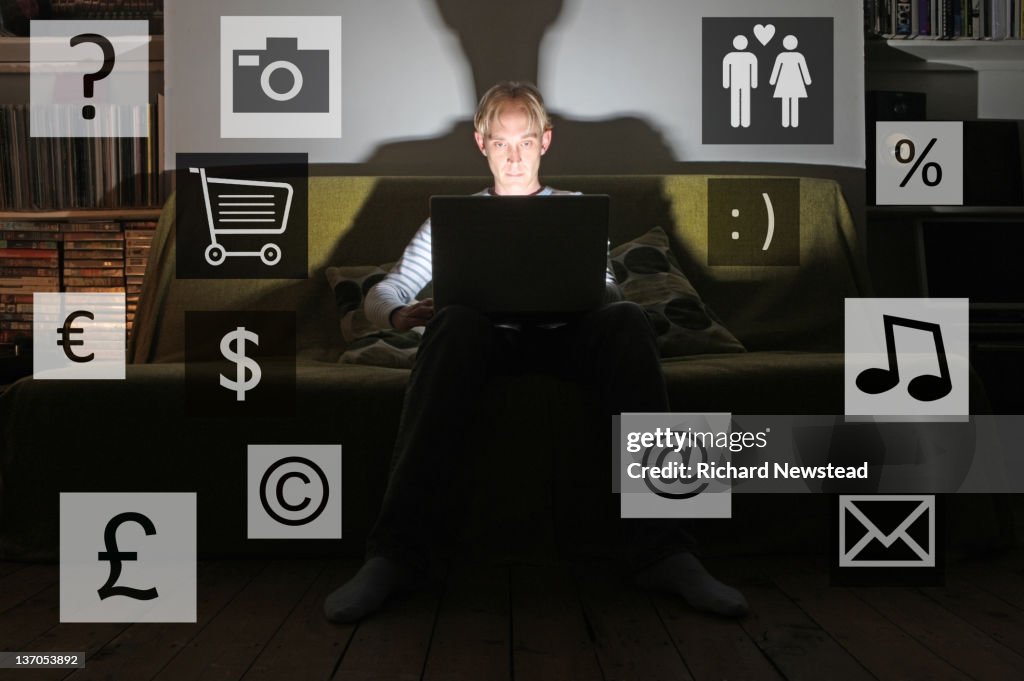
(611, 351)
(739, 77)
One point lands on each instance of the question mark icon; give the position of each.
(89, 79)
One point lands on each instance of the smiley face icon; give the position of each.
(753, 221)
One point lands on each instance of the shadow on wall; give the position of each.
(502, 42)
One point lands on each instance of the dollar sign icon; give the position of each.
(237, 355)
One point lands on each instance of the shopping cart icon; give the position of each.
(244, 207)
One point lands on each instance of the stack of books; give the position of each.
(93, 257)
(945, 19)
(15, 15)
(87, 257)
(65, 173)
(108, 9)
(29, 262)
(138, 237)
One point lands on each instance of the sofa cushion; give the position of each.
(385, 348)
(650, 276)
(350, 286)
(364, 343)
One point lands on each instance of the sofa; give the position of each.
(134, 435)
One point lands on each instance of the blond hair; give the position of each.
(525, 95)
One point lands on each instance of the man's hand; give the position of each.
(417, 314)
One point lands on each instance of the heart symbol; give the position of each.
(764, 33)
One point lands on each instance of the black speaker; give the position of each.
(885, 105)
(992, 164)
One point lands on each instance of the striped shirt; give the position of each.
(413, 272)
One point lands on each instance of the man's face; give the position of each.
(513, 150)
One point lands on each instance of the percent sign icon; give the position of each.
(906, 152)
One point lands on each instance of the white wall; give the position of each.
(407, 89)
(606, 57)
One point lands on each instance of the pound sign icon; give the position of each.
(115, 557)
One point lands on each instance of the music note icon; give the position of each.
(924, 388)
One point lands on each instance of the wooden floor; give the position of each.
(488, 622)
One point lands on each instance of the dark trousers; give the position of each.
(610, 352)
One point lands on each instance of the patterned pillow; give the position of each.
(364, 342)
(650, 276)
(387, 348)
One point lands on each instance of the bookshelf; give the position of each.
(955, 251)
(923, 54)
(112, 215)
(964, 79)
(92, 240)
(14, 69)
(14, 53)
(15, 15)
(944, 19)
(54, 174)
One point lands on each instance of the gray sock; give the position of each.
(683, 574)
(366, 592)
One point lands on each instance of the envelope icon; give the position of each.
(908, 540)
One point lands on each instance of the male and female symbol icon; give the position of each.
(790, 77)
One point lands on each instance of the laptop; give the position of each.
(520, 258)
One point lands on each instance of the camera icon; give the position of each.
(281, 79)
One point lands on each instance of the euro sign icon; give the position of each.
(67, 342)
(115, 557)
(237, 355)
